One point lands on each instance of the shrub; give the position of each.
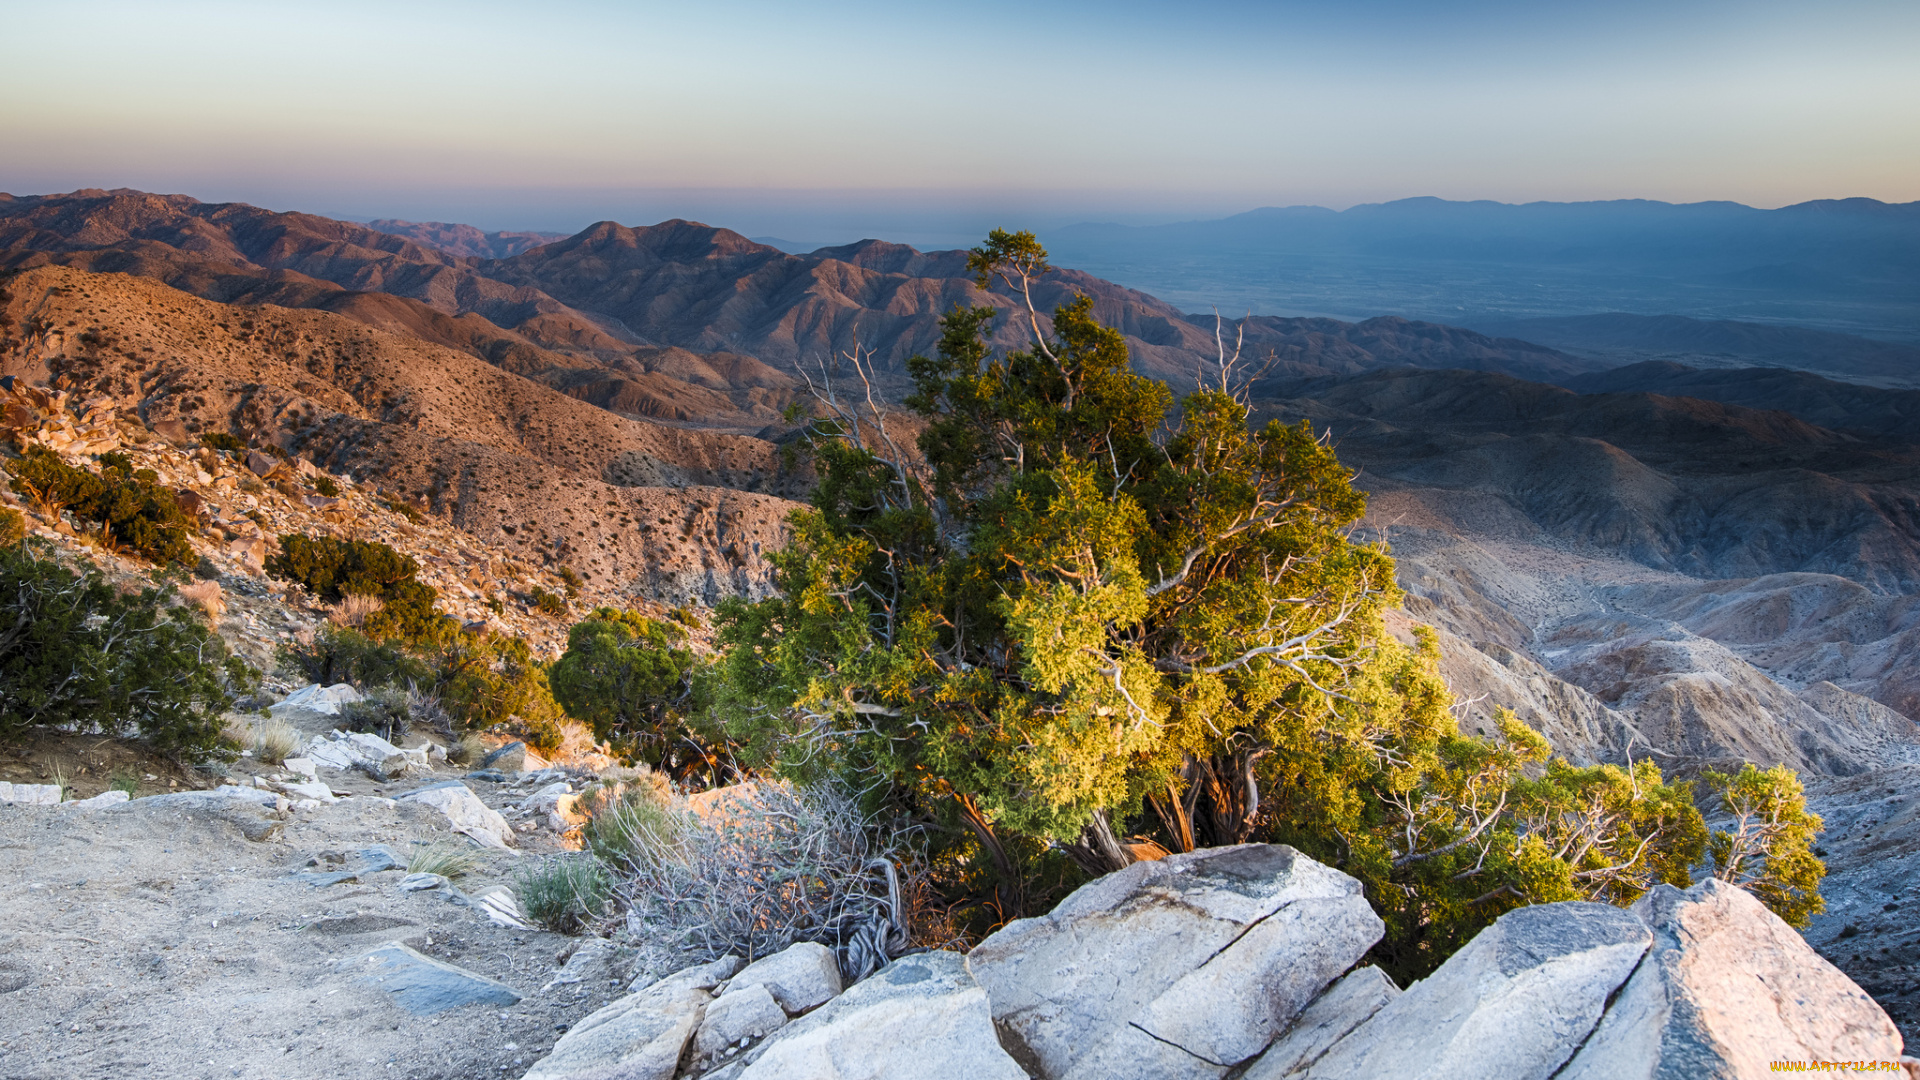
(467, 750)
(326, 487)
(77, 654)
(333, 569)
(13, 526)
(775, 866)
(405, 510)
(637, 829)
(547, 603)
(571, 580)
(131, 508)
(565, 893)
(224, 442)
(633, 680)
(384, 711)
(334, 655)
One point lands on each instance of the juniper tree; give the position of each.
(1079, 611)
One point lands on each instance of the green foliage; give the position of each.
(634, 681)
(326, 487)
(484, 681)
(571, 580)
(1767, 849)
(133, 511)
(336, 654)
(385, 711)
(405, 510)
(224, 442)
(564, 893)
(1089, 614)
(332, 568)
(547, 603)
(639, 831)
(13, 526)
(77, 654)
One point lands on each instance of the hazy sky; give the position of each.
(856, 118)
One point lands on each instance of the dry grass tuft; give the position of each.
(272, 741)
(207, 595)
(354, 610)
(449, 859)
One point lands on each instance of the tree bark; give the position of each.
(1009, 896)
(1099, 851)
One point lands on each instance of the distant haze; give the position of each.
(926, 123)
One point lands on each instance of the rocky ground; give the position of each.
(166, 938)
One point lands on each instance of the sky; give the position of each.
(826, 122)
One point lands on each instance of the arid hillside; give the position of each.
(669, 511)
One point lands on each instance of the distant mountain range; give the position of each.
(1850, 265)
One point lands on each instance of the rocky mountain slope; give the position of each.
(614, 292)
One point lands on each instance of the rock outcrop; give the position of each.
(1184, 966)
(1239, 961)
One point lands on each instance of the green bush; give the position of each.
(565, 893)
(326, 487)
(131, 508)
(336, 655)
(223, 441)
(548, 603)
(331, 568)
(79, 655)
(571, 580)
(385, 711)
(633, 680)
(13, 526)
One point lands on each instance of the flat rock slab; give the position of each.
(640, 1037)
(423, 986)
(1513, 1004)
(465, 812)
(1187, 965)
(921, 1017)
(1346, 1005)
(1727, 989)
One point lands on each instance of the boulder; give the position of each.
(641, 1036)
(424, 986)
(465, 811)
(1187, 965)
(368, 753)
(800, 977)
(261, 464)
(320, 699)
(1513, 1004)
(512, 758)
(922, 1017)
(736, 1018)
(1346, 1005)
(301, 767)
(1726, 989)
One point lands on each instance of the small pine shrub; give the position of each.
(332, 569)
(131, 508)
(405, 510)
(548, 603)
(571, 580)
(564, 894)
(80, 655)
(386, 712)
(13, 526)
(326, 487)
(224, 442)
